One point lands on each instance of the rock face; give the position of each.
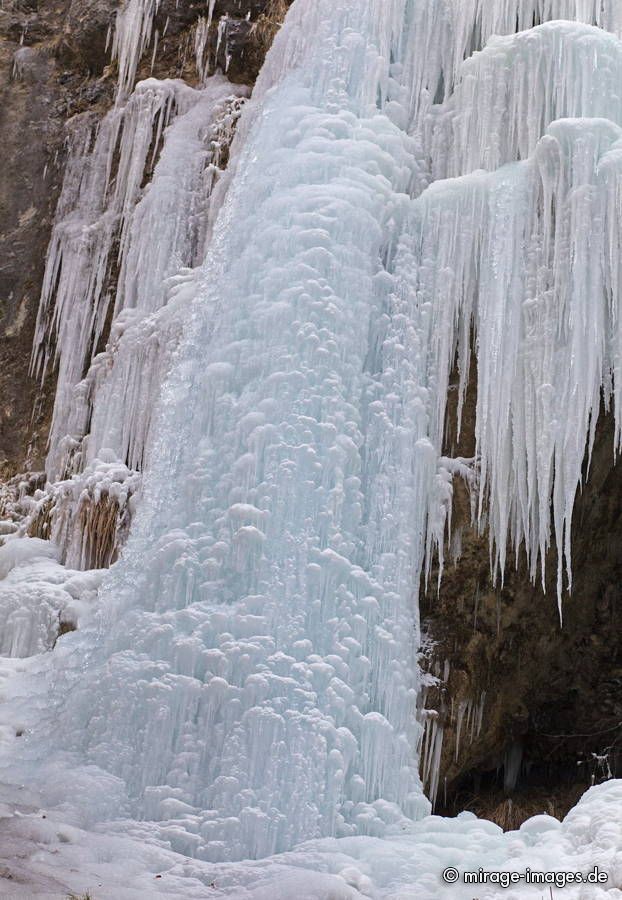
(54, 63)
(31, 123)
(531, 708)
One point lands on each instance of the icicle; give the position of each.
(512, 766)
(115, 399)
(223, 29)
(432, 758)
(480, 714)
(443, 33)
(463, 709)
(201, 46)
(132, 36)
(155, 49)
(94, 210)
(509, 93)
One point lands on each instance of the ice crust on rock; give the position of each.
(38, 596)
(106, 220)
(248, 679)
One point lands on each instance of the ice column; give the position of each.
(258, 656)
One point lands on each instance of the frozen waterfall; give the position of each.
(256, 366)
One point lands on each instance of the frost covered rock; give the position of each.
(22, 551)
(39, 599)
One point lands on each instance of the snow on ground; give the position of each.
(52, 845)
(41, 855)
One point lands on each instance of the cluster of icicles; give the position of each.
(103, 267)
(392, 192)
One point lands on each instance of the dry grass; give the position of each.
(510, 812)
(98, 524)
(41, 525)
(510, 815)
(264, 30)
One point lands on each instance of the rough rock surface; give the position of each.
(54, 64)
(31, 123)
(553, 704)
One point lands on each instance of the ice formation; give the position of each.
(105, 221)
(412, 184)
(133, 32)
(39, 599)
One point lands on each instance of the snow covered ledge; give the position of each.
(40, 600)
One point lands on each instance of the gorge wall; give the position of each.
(522, 703)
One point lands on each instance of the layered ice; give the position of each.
(176, 205)
(93, 209)
(508, 94)
(278, 627)
(103, 263)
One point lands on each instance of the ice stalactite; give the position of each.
(98, 198)
(507, 95)
(152, 285)
(202, 49)
(98, 253)
(431, 750)
(104, 265)
(507, 251)
(469, 716)
(132, 35)
(445, 33)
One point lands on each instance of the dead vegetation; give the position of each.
(41, 523)
(265, 29)
(98, 523)
(509, 813)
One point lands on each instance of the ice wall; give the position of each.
(103, 263)
(282, 703)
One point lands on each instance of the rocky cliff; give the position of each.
(529, 707)
(55, 62)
